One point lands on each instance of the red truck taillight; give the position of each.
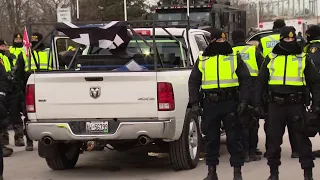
(30, 98)
(165, 97)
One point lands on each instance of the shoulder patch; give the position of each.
(313, 49)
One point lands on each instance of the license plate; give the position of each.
(100, 126)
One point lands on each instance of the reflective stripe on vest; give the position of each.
(218, 73)
(294, 70)
(43, 63)
(248, 55)
(4, 60)
(268, 43)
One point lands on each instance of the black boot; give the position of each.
(295, 155)
(237, 175)
(254, 157)
(308, 174)
(274, 174)
(258, 152)
(212, 173)
(246, 157)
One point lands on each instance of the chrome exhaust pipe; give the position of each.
(144, 140)
(47, 140)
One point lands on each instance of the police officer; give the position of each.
(24, 69)
(220, 73)
(17, 46)
(3, 112)
(5, 95)
(301, 40)
(312, 48)
(266, 45)
(253, 59)
(286, 73)
(15, 97)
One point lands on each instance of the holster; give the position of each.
(311, 124)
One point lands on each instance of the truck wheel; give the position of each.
(184, 152)
(65, 156)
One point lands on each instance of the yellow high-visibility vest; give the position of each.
(218, 71)
(287, 70)
(16, 52)
(268, 43)
(4, 60)
(248, 55)
(42, 60)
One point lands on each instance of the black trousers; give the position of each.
(291, 133)
(279, 116)
(14, 108)
(250, 138)
(213, 113)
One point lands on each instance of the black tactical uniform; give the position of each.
(253, 59)
(220, 74)
(277, 25)
(312, 48)
(14, 97)
(5, 95)
(286, 73)
(3, 111)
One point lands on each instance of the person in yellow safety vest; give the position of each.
(5, 97)
(220, 74)
(253, 59)
(286, 74)
(267, 43)
(17, 46)
(15, 50)
(24, 69)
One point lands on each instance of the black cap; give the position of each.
(238, 35)
(313, 31)
(17, 35)
(2, 42)
(217, 34)
(37, 35)
(288, 32)
(278, 24)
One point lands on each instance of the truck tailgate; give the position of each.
(96, 95)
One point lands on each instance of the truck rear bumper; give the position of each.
(162, 129)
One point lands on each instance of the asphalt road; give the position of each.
(110, 165)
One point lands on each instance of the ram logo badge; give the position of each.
(95, 92)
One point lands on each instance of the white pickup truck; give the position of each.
(68, 108)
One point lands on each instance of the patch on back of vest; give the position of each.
(245, 56)
(271, 44)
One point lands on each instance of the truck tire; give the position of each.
(65, 156)
(184, 153)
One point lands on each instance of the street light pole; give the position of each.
(125, 10)
(78, 13)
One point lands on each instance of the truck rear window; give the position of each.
(171, 52)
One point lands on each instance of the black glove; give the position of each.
(196, 110)
(258, 111)
(242, 107)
